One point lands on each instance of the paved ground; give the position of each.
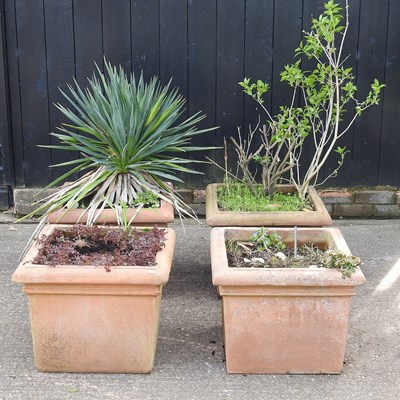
(189, 361)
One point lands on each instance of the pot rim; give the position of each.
(319, 216)
(223, 275)
(27, 272)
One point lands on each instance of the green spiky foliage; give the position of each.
(127, 135)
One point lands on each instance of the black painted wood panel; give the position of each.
(60, 66)
(34, 90)
(230, 70)
(174, 49)
(351, 51)
(145, 31)
(389, 161)
(16, 155)
(173, 44)
(202, 78)
(259, 35)
(287, 35)
(372, 53)
(117, 33)
(88, 36)
(6, 167)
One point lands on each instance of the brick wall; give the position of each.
(362, 203)
(346, 203)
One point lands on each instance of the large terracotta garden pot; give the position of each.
(290, 320)
(84, 319)
(160, 216)
(319, 216)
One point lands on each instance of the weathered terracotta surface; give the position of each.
(215, 217)
(283, 320)
(160, 216)
(84, 319)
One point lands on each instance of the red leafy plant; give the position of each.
(96, 245)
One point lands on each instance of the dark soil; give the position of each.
(95, 245)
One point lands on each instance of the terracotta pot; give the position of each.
(160, 216)
(283, 320)
(84, 319)
(319, 216)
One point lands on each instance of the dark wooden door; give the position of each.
(207, 47)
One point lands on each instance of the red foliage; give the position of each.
(96, 245)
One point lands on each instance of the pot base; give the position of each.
(111, 332)
(285, 330)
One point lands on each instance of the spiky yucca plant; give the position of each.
(126, 132)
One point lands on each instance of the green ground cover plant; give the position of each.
(239, 197)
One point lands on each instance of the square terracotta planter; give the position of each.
(84, 319)
(160, 216)
(319, 216)
(290, 320)
(157, 216)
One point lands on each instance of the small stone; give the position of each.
(280, 255)
(313, 267)
(246, 260)
(257, 261)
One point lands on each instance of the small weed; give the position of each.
(342, 262)
(148, 199)
(233, 247)
(143, 200)
(264, 240)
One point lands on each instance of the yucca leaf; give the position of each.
(72, 171)
(80, 161)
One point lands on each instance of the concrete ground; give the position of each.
(190, 357)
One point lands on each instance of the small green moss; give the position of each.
(263, 239)
(148, 199)
(238, 197)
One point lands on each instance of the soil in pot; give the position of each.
(96, 245)
(266, 250)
